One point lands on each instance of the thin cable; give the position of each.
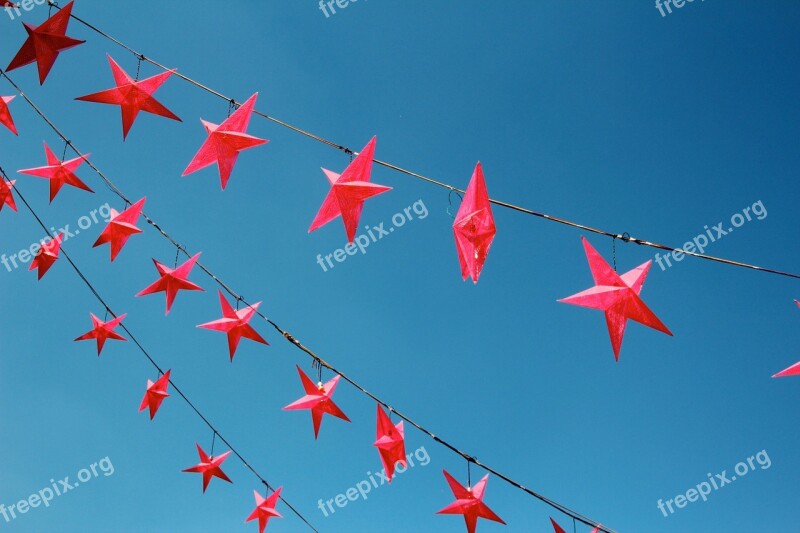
(416, 175)
(149, 358)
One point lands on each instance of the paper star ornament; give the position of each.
(155, 394)
(120, 228)
(390, 441)
(6, 195)
(209, 466)
(318, 400)
(103, 331)
(59, 172)
(236, 324)
(265, 509)
(172, 281)
(469, 502)
(5, 114)
(47, 255)
(474, 227)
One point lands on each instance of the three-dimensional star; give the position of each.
(390, 443)
(348, 193)
(59, 172)
(318, 399)
(5, 114)
(132, 96)
(120, 228)
(47, 255)
(155, 394)
(265, 509)
(102, 331)
(474, 227)
(469, 502)
(209, 466)
(236, 324)
(45, 42)
(6, 196)
(225, 141)
(172, 281)
(617, 296)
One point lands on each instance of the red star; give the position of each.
(390, 443)
(102, 331)
(265, 509)
(235, 323)
(172, 281)
(6, 196)
(348, 193)
(5, 115)
(45, 42)
(47, 255)
(209, 466)
(155, 394)
(474, 227)
(225, 142)
(617, 296)
(59, 173)
(469, 502)
(793, 370)
(120, 228)
(318, 400)
(132, 96)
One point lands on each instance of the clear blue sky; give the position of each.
(602, 112)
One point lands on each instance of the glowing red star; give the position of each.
(59, 172)
(120, 228)
(132, 96)
(474, 227)
(318, 399)
(5, 114)
(155, 394)
(348, 193)
(236, 324)
(47, 255)
(172, 281)
(6, 196)
(209, 466)
(617, 296)
(469, 502)
(265, 509)
(225, 142)
(45, 42)
(102, 331)
(390, 443)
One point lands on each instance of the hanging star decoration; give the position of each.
(155, 394)
(59, 172)
(318, 400)
(265, 509)
(120, 228)
(225, 142)
(209, 466)
(617, 296)
(132, 96)
(469, 502)
(47, 255)
(474, 227)
(6, 196)
(390, 441)
(5, 114)
(45, 42)
(102, 331)
(348, 193)
(172, 281)
(236, 324)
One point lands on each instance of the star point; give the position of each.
(5, 114)
(6, 194)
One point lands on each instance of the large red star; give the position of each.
(469, 502)
(348, 193)
(236, 324)
(45, 42)
(102, 331)
(47, 255)
(265, 509)
(155, 394)
(390, 441)
(318, 399)
(617, 296)
(474, 227)
(6, 196)
(225, 142)
(132, 96)
(209, 466)
(120, 228)
(5, 114)
(172, 281)
(59, 173)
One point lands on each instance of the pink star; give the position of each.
(474, 227)
(120, 228)
(390, 443)
(318, 400)
(6, 195)
(102, 331)
(209, 466)
(59, 173)
(47, 255)
(5, 114)
(155, 394)
(469, 502)
(172, 281)
(265, 509)
(236, 324)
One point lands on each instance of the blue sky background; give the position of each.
(602, 112)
